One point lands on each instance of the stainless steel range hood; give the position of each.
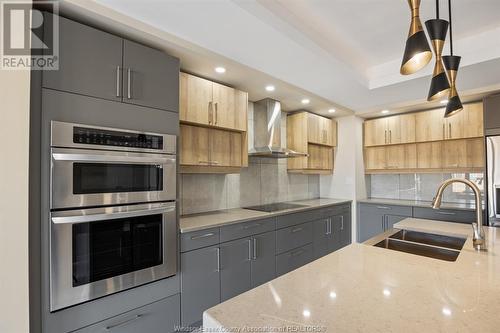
(267, 131)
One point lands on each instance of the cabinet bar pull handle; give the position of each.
(327, 225)
(210, 112)
(383, 207)
(342, 222)
(446, 213)
(296, 230)
(449, 130)
(383, 223)
(390, 136)
(109, 328)
(252, 226)
(385, 136)
(444, 133)
(210, 234)
(216, 113)
(297, 252)
(129, 89)
(254, 248)
(217, 250)
(249, 249)
(215, 162)
(117, 81)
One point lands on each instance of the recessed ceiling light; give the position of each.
(305, 101)
(220, 70)
(332, 110)
(270, 88)
(444, 101)
(384, 111)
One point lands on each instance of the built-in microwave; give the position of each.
(97, 166)
(99, 251)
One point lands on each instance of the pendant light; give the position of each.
(451, 64)
(437, 29)
(417, 51)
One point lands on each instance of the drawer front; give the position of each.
(198, 239)
(293, 259)
(241, 230)
(288, 220)
(294, 237)
(161, 316)
(389, 209)
(335, 210)
(449, 215)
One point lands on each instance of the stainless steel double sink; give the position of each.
(424, 244)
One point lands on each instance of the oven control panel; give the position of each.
(103, 137)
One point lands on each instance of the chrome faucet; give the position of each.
(478, 236)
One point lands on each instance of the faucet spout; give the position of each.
(478, 235)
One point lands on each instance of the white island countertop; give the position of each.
(362, 288)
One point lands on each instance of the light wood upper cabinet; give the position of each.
(202, 146)
(429, 126)
(212, 104)
(454, 154)
(321, 130)
(320, 157)
(394, 157)
(454, 126)
(473, 120)
(375, 132)
(475, 152)
(429, 155)
(195, 99)
(375, 158)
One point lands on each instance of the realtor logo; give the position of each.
(29, 39)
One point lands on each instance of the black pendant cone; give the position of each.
(440, 85)
(451, 63)
(417, 52)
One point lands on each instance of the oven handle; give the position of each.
(108, 216)
(111, 158)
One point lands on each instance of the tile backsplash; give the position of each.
(264, 181)
(421, 186)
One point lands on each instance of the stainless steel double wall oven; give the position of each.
(113, 211)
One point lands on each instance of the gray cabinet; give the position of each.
(346, 227)
(449, 215)
(98, 64)
(322, 237)
(235, 257)
(263, 265)
(200, 283)
(198, 239)
(293, 237)
(375, 219)
(89, 61)
(151, 78)
(294, 259)
(161, 316)
(332, 233)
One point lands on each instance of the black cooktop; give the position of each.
(274, 207)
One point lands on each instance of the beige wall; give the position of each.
(14, 136)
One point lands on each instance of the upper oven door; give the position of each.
(83, 178)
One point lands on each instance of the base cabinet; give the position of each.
(200, 283)
(263, 258)
(288, 261)
(235, 267)
(161, 316)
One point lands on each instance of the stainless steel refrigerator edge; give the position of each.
(493, 180)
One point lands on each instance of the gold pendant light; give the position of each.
(417, 51)
(451, 63)
(437, 28)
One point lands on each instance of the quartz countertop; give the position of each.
(362, 288)
(419, 203)
(219, 218)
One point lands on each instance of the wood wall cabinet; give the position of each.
(213, 126)
(314, 135)
(207, 150)
(427, 142)
(390, 130)
(208, 103)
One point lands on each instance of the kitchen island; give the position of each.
(362, 288)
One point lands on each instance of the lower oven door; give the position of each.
(83, 177)
(100, 251)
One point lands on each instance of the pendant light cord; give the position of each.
(451, 34)
(437, 9)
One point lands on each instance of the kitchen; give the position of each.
(173, 173)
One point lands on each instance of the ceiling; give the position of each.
(342, 54)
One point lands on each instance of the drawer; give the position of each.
(288, 220)
(293, 259)
(293, 237)
(241, 230)
(161, 316)
(449, 215)
(335, 210)
(388, 209)
(198, 239)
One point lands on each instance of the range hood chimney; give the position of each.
(267, 131)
